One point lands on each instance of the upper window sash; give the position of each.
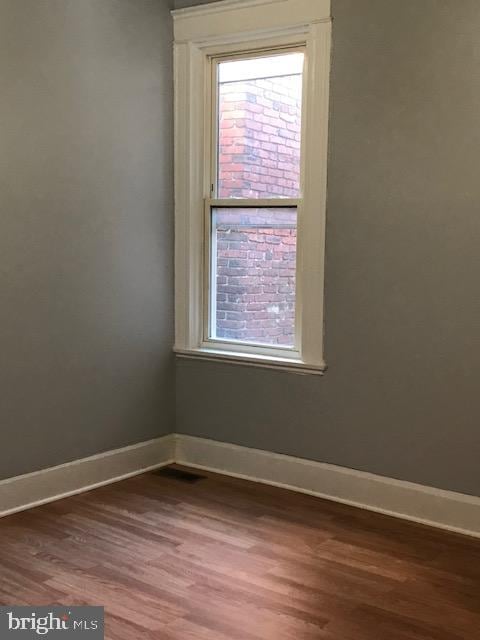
(240, 72)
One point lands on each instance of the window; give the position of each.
(251, 107)
(256, 151)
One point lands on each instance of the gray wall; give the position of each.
(86, 234)
(401, 395)
(86, 246)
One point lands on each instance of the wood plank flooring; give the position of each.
(225, 559)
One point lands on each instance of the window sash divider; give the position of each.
(254, 203)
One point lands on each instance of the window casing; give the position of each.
(211, 208)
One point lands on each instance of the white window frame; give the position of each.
(243, 27)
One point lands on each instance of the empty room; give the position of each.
(240, 319)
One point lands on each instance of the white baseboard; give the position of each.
(33, 489)
(407, 500)
(426, 505)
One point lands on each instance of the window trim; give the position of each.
(222, 29)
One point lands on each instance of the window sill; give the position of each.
(252, 360)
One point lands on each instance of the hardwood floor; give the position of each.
(225, 559)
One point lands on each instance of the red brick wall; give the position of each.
(259, 138)
(259, 151)
(256, 277)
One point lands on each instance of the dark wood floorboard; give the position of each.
(225, 559)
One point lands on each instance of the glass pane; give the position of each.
(259, 121)
(253, 275)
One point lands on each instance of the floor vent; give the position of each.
(177, 474)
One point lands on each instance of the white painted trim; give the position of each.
(406, 500)
(426, 505)
(229, 17)
(216, 7)
(37, 488)
(252, 360)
